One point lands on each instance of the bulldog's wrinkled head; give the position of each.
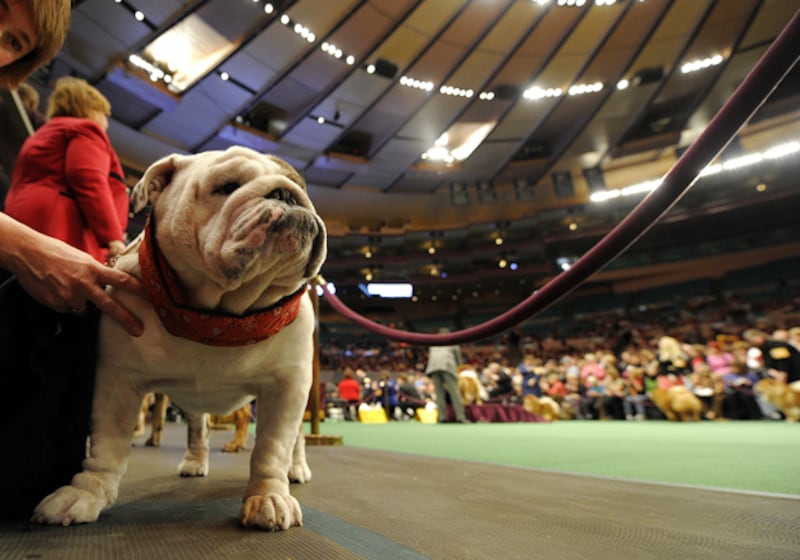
(236, 226)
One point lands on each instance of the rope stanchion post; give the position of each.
(315, 437)
(751, 93)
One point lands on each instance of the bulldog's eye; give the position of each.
(227, 188)
(283, 195)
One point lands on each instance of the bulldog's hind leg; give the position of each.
(195, 460)
(267, 501)
(114, 412)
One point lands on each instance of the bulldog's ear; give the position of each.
(154, 180)
(319, 251)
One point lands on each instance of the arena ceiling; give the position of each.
(429, 129)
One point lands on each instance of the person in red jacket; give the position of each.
(349, 393)
(68, 182)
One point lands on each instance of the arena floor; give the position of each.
(380, 505)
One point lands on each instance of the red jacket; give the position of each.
(349, 389)
(69, 184)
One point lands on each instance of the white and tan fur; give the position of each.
(233, 252)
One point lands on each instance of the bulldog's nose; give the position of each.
(283, 195)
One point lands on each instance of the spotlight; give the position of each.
(383, 67)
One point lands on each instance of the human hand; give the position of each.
(65, 278)
(115, 249)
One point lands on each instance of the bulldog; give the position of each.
(226, 255)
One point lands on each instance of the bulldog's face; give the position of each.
(237, 226)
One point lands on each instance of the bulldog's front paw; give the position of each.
(272, 512)
(193, 467)
(300, 473)
(68, 506)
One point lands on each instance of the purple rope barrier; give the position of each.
(742, 105)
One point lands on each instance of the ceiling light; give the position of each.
(536, 92)
(565, 263)
(700, 64)
(458, 143)
(172, 50)
(580, 89)
(416, 84)
(779, 151)
(456, 92)
(623, 84)
(338, 53)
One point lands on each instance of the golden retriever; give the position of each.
(781, 396)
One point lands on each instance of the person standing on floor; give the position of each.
(442, 368)
(350, 394)
(68, 182)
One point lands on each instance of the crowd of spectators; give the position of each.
(604, 366)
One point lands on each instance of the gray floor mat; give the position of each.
(380, 505)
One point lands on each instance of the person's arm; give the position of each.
(62, 277)
(87, 161)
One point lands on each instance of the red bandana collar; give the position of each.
(206, 327)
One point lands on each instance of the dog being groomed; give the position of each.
(226, 256)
